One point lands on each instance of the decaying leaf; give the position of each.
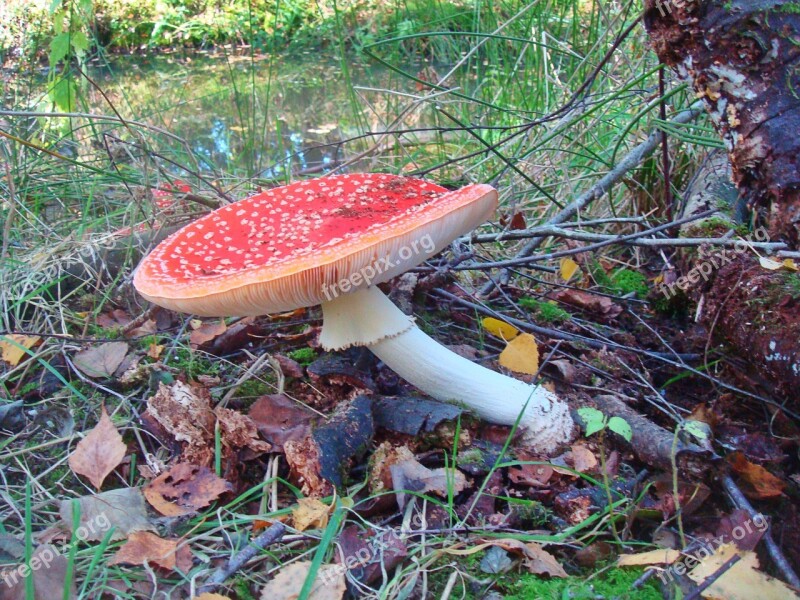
(757, 481)
(499, 328)
(742, 581)
(367, 555)
(280, 419)
(660, 556)
(145, 547)
(288, 582)
(13, 345)
(521, 355)
(124, 510)
(601, 305)
(185, 489)
(408, 474)
(310, 513)
(49, 569)
(206, 332)
(101, 361)
(99, 453)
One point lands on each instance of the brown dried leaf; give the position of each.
(601, 305)
(310, 512)
(206, 332)
(411, 475)
(583, 459)
(185, 489)
(149, 327)
(101, 361)
(287, 583)
(535, 558)
(99, 453)
(280, 419)
(759, 483)
(145, 547)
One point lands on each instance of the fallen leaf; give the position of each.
(210, 596)
(13, 346)
(530, 475)
(517, 222)
(583, 459)
(123, 509)
(567, 268)
(768, 263)
(99, 453)
(789, 263)
(660, 556)
(288, 582)
(101, 361)
(601, 305)
(499, 328)
(368, 554)
(495, 561)
(410, 475)
(155, 350)
(49, 569)
(206, 332)
(280, 419)
(759, 483)
(145, 547)
(309, 513)
(742, 581)
(185, 489)
(521, 355)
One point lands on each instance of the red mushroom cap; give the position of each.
(278, 250)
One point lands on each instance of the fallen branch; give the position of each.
(269, 536)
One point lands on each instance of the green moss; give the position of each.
(253, 388)
(614, 583)
(625, 281)
(191, 363)
(547, 312)
(305, 356)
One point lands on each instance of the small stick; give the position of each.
(713, 577)
(269, 536)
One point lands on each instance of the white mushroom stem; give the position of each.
(368, 318)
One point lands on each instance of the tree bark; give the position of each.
(743, 59)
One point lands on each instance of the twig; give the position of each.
(631, 160)
(713, 577)
(739, 501)
(269, 536)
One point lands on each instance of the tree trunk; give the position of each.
(743, 59)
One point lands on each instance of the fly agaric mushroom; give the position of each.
(329, 241)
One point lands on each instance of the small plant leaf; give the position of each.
(696, 429)
(620, 426)
(593, 419)
(59, 47)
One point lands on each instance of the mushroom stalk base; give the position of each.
(446, 376)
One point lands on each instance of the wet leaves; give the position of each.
(185, 489)
(756, 481)
(99, 453)
(279, 419)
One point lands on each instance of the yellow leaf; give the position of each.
(210, 596)
(500, 329)
(661, 556)
(659, 279)
(154, 351)
(790, 264)
(13, 347)
(310, 512)
(568, 268)
(742, 581)
(521, 355)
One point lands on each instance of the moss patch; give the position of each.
(614, 583)
(545, 311)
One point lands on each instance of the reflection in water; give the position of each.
(266, 117)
